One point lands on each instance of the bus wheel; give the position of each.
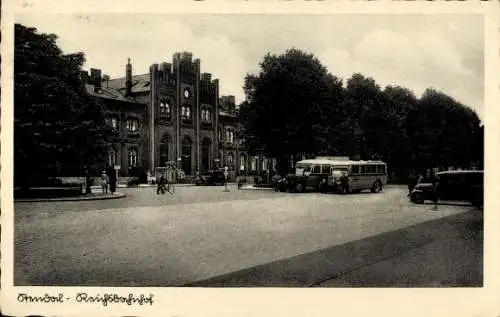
(377, 187)
(300, 188)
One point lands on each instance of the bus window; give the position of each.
(326, 169)
(362, 169)
(381, 169)
(316, 169)
(355, 169)
(303, 166)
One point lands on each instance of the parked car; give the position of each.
(215, 177)
(452, 185)
(288, 183)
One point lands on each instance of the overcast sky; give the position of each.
(445, 52)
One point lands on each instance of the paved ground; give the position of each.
(206, 237)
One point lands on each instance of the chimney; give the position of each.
(105, 79)
(96, 78)
(128, 78)
(231, 103)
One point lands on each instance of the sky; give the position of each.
(445, 52)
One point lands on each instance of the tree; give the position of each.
(57, 124)
(399, 102)
(290, 103)
(442, 132)
(360, 133)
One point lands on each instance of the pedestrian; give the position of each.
(161, 185)
(344, 183)
(104, 182)
(435, 194)
(112, 180)
(275, 180)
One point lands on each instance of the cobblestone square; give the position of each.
(202, 233)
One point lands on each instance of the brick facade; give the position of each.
(172, 114)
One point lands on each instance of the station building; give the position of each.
(172, 115)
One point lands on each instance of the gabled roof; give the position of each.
(140, 83)
(108, 93)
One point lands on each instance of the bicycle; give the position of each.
(170, 188)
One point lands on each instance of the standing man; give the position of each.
(226, 174)
(112, 180)
(435, 195)
(104, 182)
(160, 184)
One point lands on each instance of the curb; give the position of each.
(116, 195)
(140, 186)
(149, 185)
(256, 188)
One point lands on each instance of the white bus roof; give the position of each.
(331, 162)
(333, 158)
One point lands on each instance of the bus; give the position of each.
(343, 176)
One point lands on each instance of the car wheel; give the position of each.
(417, 198)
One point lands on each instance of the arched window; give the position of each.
(112, 157)
(230, 159)
(132, 125)
(186, 154)
(186, 112)
(242, 162)
(264, 164)
(132, 158)
(206, 115)
(164, 108)
(114, 123)
(254, 163)
(164, 149)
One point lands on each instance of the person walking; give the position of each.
(104, 182)
(435, 194)
(161, 185)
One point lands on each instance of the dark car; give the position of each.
(215, 177)
(452, 186)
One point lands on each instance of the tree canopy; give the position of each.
(292, 99)
(294, 105)
(57, 124)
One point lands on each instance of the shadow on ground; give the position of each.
(313, 269)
